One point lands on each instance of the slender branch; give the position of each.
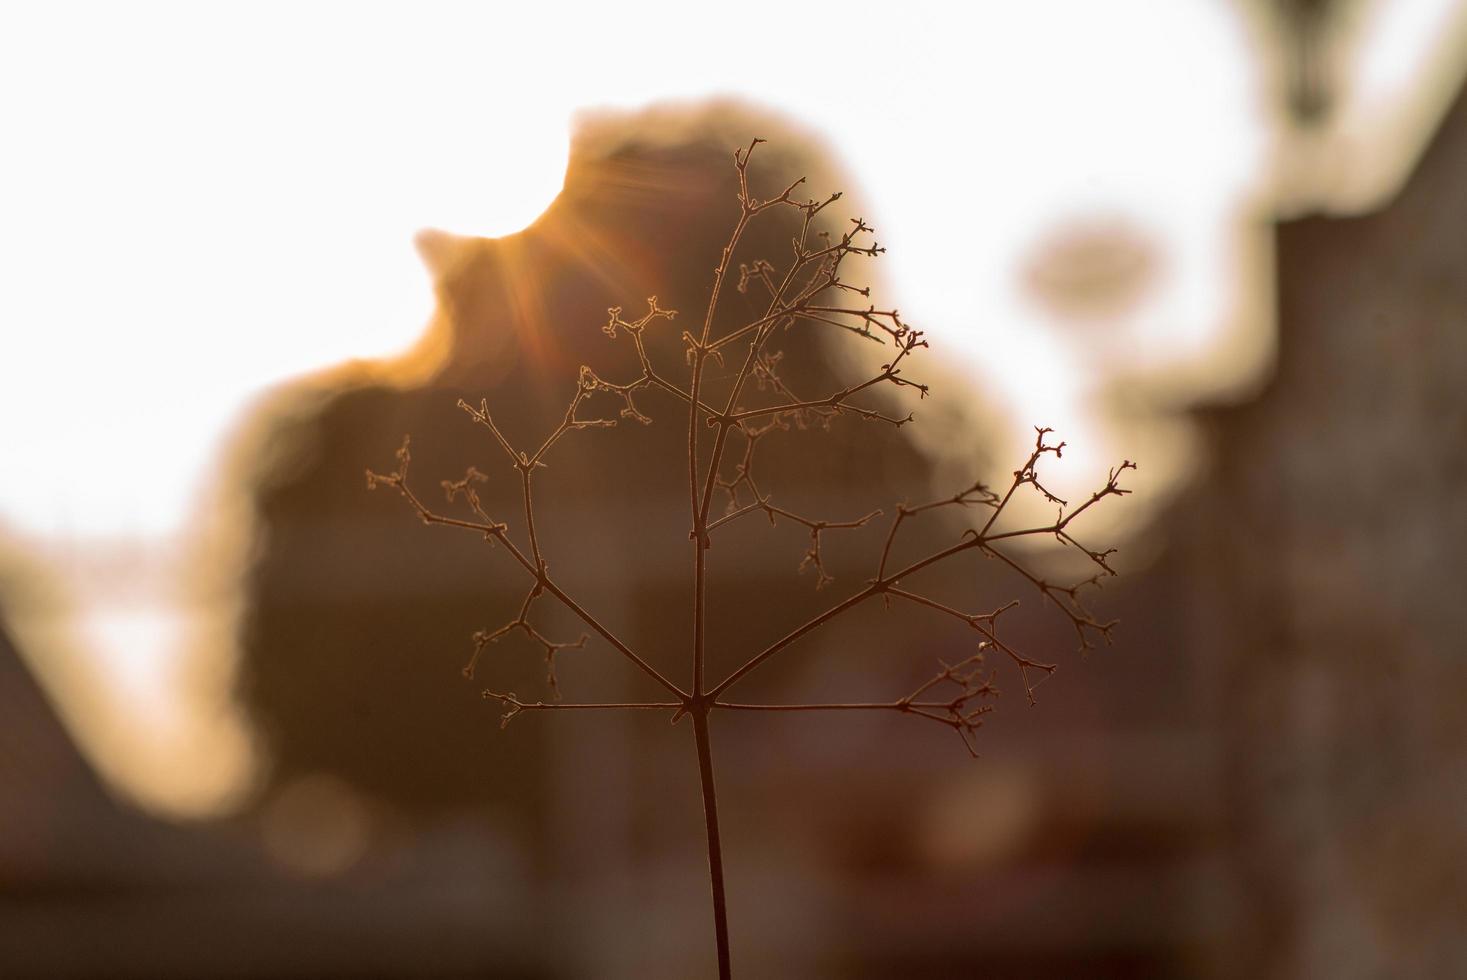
(752, 362)
(839, 401)
(513, 706)
(812, 557)
(986, 624)
(496, 532)
(975, 494)
(960, 712)
(885, 582)
(483, 638)
(734, 515)
(1027, 474)
(792, 636)
(1066, 598)
(834, 706)
(699, 353)
(874, 588)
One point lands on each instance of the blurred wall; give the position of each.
(1333, 518)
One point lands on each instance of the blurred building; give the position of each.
(89, 887)
(1330, 589)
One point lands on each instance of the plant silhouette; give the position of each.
(729, 384)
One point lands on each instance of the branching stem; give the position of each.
(809, 295)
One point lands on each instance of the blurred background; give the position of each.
(246, 248)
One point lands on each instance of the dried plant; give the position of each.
(757, 403)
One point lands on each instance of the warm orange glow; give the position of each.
(183, 230)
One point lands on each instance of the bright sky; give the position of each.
(198, 201)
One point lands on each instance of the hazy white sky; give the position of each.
(198, 201)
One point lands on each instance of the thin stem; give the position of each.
(700, 357)
(510, 699)
(513, 706)
(964, 712)
(715, 844)
(530, 520)
(609, 637)
(836, 706)
(922, 709)
(735, 515)
(875, 588)
(794, 635)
